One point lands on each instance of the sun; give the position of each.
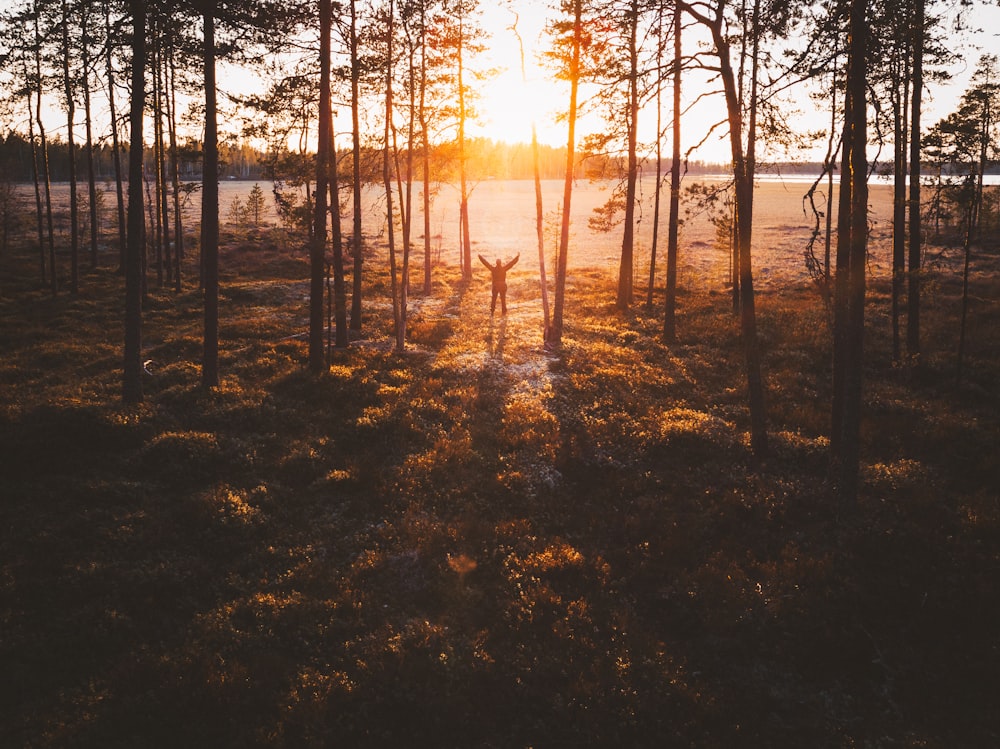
(509, 107)
(511, 100)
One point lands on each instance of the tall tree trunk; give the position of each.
(132, 379)
(44, 146)
(406, 192)
(972, 223)
(849, 288)
(658, 188)
(317, 249)
(669, 319)
(339, 291)
(743, 177)
(916, 238)
(387, 183)
(425, 150)
(89, 129)
(210, 206)
(36, 178)
(115, 145)
(466, 234)
(561, 262)
(900, 102)
(163, 265)
(626, 269)
(174, 167)
(357, 245)
(539, 215)
(74, 198)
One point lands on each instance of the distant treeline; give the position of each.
(488, 159)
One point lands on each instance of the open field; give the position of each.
(480, 543)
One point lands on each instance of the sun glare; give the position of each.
(511, 100)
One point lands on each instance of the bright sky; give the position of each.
(509, 104)
(507, 110)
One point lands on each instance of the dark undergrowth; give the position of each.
(478, 543)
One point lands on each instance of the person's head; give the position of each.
(499, 263)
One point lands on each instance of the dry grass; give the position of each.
(481, 543)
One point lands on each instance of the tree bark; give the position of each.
(210, 206)
(74, 199)
(916, 238)
(561, 261)
(669, 320)
(626, 266)
(132, 378)
(357, 245)
(115, 145)
(849, 288)
(317, 249)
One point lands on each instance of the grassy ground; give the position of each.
(481, 544)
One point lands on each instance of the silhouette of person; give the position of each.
(499, 286)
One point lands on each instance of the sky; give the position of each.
(508, 104)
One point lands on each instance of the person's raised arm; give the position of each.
(513, 262)
(485, 262)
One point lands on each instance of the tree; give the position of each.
(132, 378)
(669, 321)
(568, 44)
(44, 148)
(464, 39)
(357, 244)
(74, 207)
(714, 20)
(966, 143)
(109, 34)
(85, 64)
(539, 215)
(626, 265)
(852, 248)
(916, 234)
(317, 247)
(210, 204)
(254, 21)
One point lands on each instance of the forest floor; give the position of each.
(480, 543)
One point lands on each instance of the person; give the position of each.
(499, 286)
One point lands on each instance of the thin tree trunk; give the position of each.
(339, 290)
(626, 267)
(115, 145)
(174, 169)
(743, 177)
(916, 239)
(74, 199)
(317, 250)
(357, 245)
(466, 234)
(46, 171)
(852, 245)
(36, 177)
(132, 379)
(669, 319)
(972, 230)
(561, 261)
(160, 219)
(900, 101)
(426, 150)
(539, 215)
(88, 123)
(387, 184)
(406, 194)
(210, 207)
(658, 189)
